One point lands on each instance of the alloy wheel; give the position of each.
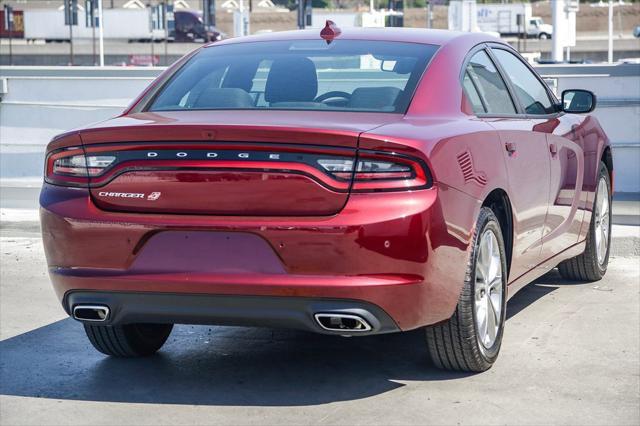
(602, 218)
(488, 289)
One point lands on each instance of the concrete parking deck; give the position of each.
(570, 356)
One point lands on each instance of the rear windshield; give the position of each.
(345, 75)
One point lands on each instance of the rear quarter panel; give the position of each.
(462, 152)
(593, 140)
(466, 164)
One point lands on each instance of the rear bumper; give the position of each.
(392, 251)
(277, 312)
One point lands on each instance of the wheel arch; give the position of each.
(498, 201)
(607, 159)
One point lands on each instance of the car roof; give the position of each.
(409, 35)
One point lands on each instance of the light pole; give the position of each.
(610, 53)
(610, 5)
(8, 23)
(100, 33)
(166, 5)
(70, 12)
(90, 14)
(557, 16)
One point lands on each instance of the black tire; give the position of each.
(130, 340)
(454, 344)
(586, 267)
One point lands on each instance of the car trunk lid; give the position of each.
(181, 163)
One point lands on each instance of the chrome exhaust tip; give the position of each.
(342, 323)
(91, 313)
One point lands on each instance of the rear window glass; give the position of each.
(490, 86)
(349, 75)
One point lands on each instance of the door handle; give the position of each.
(553, 149)
(510, 147)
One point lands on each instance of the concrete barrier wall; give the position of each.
(617, 89)
(43, 101)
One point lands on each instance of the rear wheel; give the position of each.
(470, 340)
(592, 264)
(129, 340)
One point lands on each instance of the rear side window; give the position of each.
(472, 94)
(530, 91)
(345, 75)
(488, 82)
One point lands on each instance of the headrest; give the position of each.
(292, 79)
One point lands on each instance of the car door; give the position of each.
(564, 152)
(525, 154)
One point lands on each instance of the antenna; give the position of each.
(330, 31)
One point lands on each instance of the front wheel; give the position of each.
(543, 36)
(129, 340)
(470, 340)
(592, 264)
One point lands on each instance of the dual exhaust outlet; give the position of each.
(91, 313)
(334, 322)
(338, 322)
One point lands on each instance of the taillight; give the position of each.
(79, 165)
(71, 167)
(367, 171)
(378, 172)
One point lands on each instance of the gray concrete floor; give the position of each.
(570, 356)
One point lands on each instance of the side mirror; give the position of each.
(578, 101)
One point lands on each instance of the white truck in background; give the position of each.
(123, 24)
(503, 19)
(119, 24)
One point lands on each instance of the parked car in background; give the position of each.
(348, 182)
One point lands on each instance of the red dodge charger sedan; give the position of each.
(343, 182)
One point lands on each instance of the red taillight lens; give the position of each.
(378, 172)
(73, 168)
